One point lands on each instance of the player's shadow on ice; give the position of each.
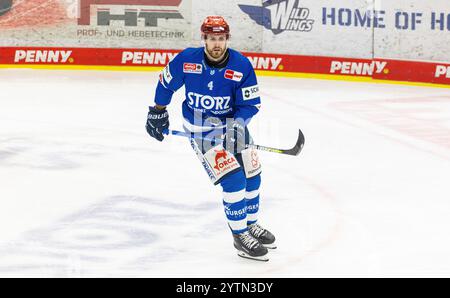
(124, 229)
(46, 154)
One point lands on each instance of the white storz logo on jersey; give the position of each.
(251, 92)
(233, 75)
(216, 103)
(167, 75)
(192, 68)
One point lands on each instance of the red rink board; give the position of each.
(378, 68)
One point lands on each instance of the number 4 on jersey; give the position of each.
(211, 85)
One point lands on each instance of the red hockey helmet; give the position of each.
(215, 25)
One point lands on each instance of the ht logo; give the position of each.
(280, 15)
(130, 16)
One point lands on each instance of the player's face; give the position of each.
(216, 45)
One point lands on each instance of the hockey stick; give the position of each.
(293, 151)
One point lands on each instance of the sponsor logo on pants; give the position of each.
(223, 161)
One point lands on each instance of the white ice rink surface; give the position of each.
(84, 191)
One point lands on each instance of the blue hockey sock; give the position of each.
(252, 198)
(233, 187)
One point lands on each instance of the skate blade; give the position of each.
(270, 246)
(247, 256)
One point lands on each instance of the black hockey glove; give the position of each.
(157, 121)
(236, 137)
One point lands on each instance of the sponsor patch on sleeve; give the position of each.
(251, 92)
(167, 75)
(192, 68)
(233, 75)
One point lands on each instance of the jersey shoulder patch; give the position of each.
(233, 75)
(189, 67)
(250, 92)
(191, 60)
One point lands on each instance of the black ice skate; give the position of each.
(264, 236)
(249, 247)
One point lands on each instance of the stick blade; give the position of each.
(298, 145)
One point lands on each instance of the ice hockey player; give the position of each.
(221, 98)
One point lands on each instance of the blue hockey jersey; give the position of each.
(219, 93)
